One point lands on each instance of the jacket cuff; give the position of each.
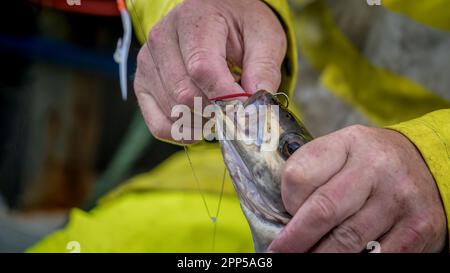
(289, 69)
(145, 14)
(431, 135)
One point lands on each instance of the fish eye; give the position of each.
(289, 143)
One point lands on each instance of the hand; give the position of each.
(191, 46)
(359, 185)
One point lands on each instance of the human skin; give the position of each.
(344, 189)
(189, 52)
(357, 185)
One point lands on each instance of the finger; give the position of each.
(177, 85)
(264, 52)
(148, 87)
(311, 166)
(326, 208)
(147, 81)
(158, 123)
(405, 237)
(203, 42)
(368, 224)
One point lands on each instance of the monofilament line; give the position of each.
(218, 209)
(197, 182)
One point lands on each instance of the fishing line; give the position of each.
(212, 218)
(218, 209)
(141, 28)
(221, 192)
(197, 182)
(219, 204)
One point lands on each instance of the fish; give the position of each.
(256, 172)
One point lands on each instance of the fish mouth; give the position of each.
(256, 171)
(256, 121)
(252, 179)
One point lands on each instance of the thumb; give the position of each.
(203, 47)
(310, 167)
(264, 51)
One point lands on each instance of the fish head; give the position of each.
(263, 137)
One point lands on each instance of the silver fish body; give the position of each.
(256, 172)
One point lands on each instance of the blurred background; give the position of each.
(66, 135)
(63, 123)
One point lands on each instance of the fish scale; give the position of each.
(255, 173)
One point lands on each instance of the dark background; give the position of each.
(66, 136)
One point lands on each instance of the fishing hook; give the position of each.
(286, 97)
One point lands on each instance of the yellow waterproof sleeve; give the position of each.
(146, 13)
(434, 13)
(431, 135)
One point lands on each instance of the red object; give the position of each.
(231, 96)
(121, 5)
(92, 7)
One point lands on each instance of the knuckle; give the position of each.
(290, 184)
(412, 235)
(290, 175)
(183, 93)
(157, 32)
(324, 209)
(420, 230)
(142, 58)
(157, 38)
(347, 238)
(357, 130)
(379, 159)
(294, 175)
(197, 64)
(424, 225)
(404, 193)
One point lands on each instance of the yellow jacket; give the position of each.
(387, 98)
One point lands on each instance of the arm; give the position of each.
(431, 135)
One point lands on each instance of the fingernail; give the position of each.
(264, 86)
